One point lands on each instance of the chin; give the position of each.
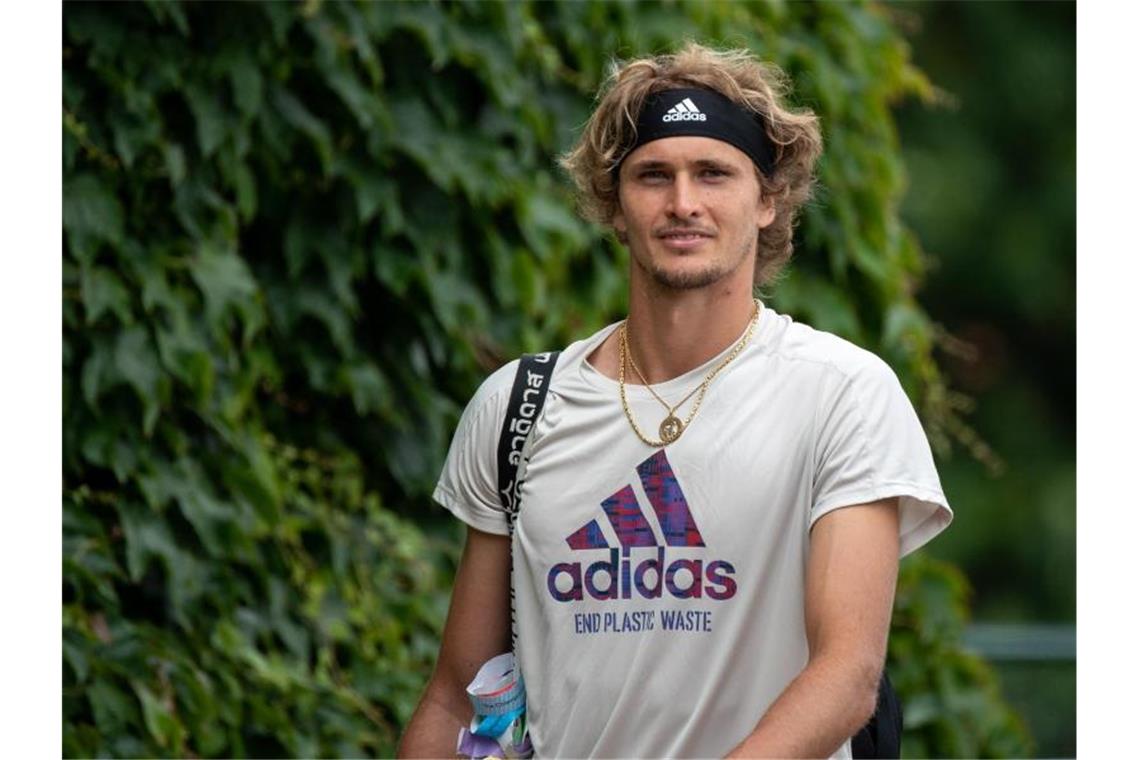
(678, 278)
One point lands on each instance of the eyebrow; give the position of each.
(703, 163)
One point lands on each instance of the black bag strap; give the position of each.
(882, 736)
(528, 395)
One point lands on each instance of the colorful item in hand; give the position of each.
(499, 727)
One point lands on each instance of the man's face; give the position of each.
(689, 208)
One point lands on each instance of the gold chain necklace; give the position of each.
(672, 426)
(671, 419)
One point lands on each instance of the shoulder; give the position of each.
(494, 390)
(490, 400)
(828, 353)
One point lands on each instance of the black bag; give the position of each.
(880, 738)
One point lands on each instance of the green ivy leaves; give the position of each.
(92, 216)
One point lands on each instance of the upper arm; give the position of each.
(478, 621)
(850, 585)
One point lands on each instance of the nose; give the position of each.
(684, 202)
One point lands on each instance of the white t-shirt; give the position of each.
(660, 592)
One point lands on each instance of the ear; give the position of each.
(767, 211)
(619, 225)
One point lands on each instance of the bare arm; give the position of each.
(849, 594)
(477, 628)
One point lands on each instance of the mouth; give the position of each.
(683, 238)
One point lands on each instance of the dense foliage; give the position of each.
(951, 700)
(993, 198)
(1008, 133)
(296, 238)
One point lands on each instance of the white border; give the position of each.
(1107, 299)
(31, 380)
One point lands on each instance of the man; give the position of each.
(716, 497)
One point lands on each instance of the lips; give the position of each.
(683, 238)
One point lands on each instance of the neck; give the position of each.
(671, 332)
(669, 337)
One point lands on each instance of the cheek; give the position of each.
(635, 219)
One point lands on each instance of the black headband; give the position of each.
(704, 113)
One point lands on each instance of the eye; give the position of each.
(715, 172)
(651, 175)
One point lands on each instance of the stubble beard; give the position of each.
(688, 280)
(694, 280)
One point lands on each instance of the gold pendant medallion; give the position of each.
(671, 429)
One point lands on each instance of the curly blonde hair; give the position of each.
(738, 75)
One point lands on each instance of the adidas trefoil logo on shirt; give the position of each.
(686, 110)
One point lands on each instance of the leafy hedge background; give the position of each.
(296, 237)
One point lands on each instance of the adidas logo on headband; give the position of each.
(686, 110)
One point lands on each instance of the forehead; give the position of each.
(688, 150)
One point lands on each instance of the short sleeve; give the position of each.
(871, 446)
(468, 485)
